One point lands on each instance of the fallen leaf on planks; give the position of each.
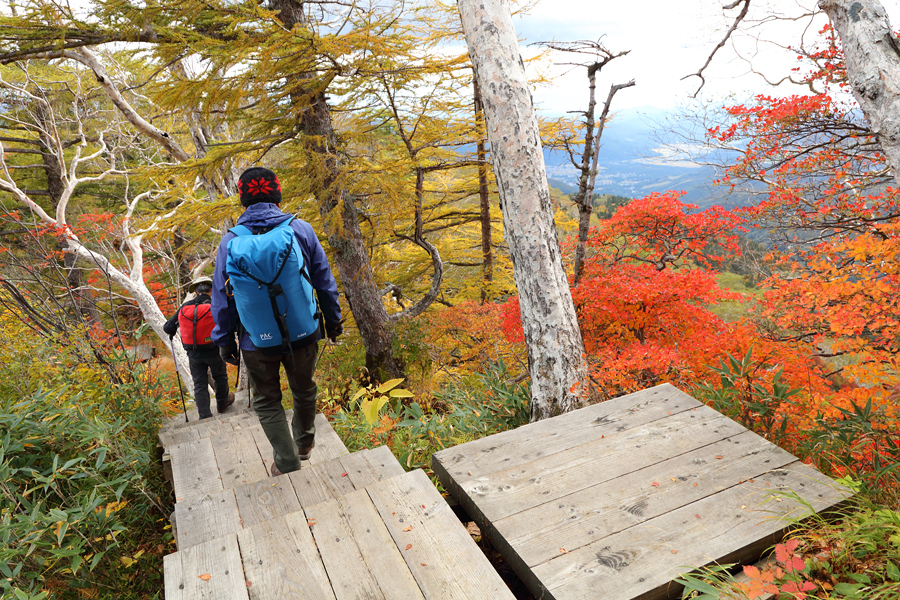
(204, 577)
(408, 528)
(408, 546)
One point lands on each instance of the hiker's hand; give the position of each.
(333, 330)
(230, 354)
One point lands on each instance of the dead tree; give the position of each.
(598, 57)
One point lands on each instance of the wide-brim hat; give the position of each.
(198, 281)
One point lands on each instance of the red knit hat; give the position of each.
(258, 184)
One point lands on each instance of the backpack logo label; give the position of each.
(265, 336)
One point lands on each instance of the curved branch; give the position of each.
(728, 33)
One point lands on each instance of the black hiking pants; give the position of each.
(202, 362)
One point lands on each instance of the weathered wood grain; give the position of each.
(211, 570)
(309, 486)
(194, 470)
(173, 578)
(359, 471)
(210, 427)
(238, 458)
(731, 526)
(549, 530)
(328, 444)
(350, 575)
(335, 477)
(512, 490)
(173, 437)
(376, 546)
(382, 463)
(282, 562)
(265, 500)
(206, 519)
(440, 553)
(460, 464)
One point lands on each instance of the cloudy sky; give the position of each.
(668, 40)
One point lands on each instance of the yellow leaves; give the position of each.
(370, 408)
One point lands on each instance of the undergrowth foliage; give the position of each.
(81, 514)
(464, 410)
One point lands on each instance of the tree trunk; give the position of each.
(872, 56)
(555, 349)
(487, 253)
(350, 254)
(346, 238)
(584, 198)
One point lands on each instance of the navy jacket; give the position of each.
(224, 310)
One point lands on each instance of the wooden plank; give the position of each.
(264, 448)
(359, 471)
(440, 553)
(194, 471)
(210, 427)
(350, 575)
(310, 487)
(730, 526)
(512, 490)
(206, 519)
(460, 464)
(383, 463)
(173, 437)
(213, 570)
(549, 530)
(376, 546)
(333, 476)
(328, 444)
(238, 459)
(282, 562)
(173, 578)
(265, 500)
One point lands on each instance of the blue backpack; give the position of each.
(274, 296)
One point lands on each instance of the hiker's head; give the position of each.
(201, 285)
(258, 184)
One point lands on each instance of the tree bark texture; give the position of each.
(555, 348)
(350, 254)
(487, 253)
(872, 56)
(345, 238)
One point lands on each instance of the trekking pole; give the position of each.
(178, 377)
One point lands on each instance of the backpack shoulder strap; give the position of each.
(240, 230)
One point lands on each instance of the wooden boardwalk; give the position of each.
(614, 501)
(346, 526)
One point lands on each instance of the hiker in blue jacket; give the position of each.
(260, 193)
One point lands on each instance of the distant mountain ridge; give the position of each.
(632, 164)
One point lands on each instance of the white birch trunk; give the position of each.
(872, 56)
(555, 348)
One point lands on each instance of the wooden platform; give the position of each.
(616, 500)
(346, 526)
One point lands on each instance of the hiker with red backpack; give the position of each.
(195, 320)
(273, 289)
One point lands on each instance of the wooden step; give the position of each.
(233, 507)
(396, 538)
(239, 450)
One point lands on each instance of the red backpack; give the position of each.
(196, 324)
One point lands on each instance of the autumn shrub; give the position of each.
(81, 514)
(468, 409)
(852, 555)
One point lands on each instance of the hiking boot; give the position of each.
(305, 451)
(228, 403)
(274, 470)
